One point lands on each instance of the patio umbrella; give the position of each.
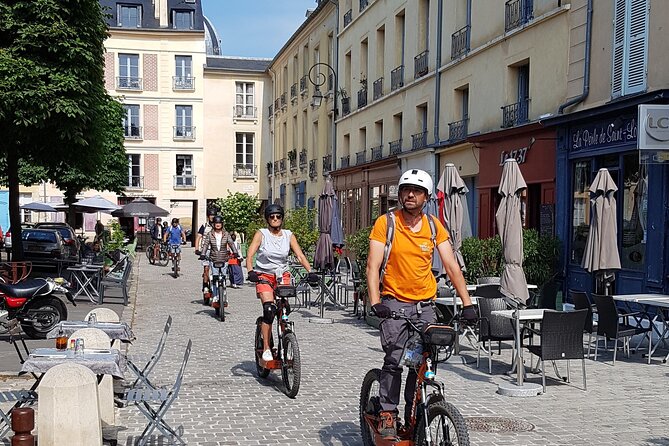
(336, 231)
(513, 284)
(38, 206)
(95, 204)
(601, 250)
(432, 208)
(450, 191)
(140, 207)
(323, 257)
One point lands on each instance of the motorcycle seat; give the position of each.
(27, 288)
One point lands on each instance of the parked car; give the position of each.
(7, 239)
(44, 246)
(68, 235)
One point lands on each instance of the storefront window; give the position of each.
(357, 219)
(580, 210)
(374, 203)
(634, 210)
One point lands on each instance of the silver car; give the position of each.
(43, 246)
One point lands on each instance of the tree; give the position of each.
(53, 103)
(302, 222)
(238, 211)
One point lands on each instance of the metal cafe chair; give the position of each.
(143, 373)
(143, 397)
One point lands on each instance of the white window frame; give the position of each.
(132, 157)
(184, 120)
(629, 67)
(246, 106)
(181, 11)
(119, 9)
(183, 66)
(247, 148)
(129, 120)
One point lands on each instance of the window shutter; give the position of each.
(618, 48)
(638, 48)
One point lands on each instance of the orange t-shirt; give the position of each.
(409, 269)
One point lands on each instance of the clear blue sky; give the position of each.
(255, 28)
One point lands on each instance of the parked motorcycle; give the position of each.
(33, 304)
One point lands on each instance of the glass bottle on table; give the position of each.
(61, 340)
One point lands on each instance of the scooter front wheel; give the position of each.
(447, 426)
(370, 405)
(291, 366)
(258, 344)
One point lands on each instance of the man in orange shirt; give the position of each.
(408, 284)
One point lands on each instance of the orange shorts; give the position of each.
(266, 288)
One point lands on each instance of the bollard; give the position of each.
(23, 423)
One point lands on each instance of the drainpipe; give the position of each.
(437, 89)
(335, 53)
(586, 70)
(273, 130)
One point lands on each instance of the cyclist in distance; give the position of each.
(273, 245)
(408, 285)
(174, 236)
(199, 239)
(216, 242)
(157, 236)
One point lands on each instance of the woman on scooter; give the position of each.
(273, 245)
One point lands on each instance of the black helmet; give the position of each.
(211, 211)
(217, 219)
(273, 209)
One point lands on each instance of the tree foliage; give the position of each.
(302, 222)
(238, 211)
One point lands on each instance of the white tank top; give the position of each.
(273, 253)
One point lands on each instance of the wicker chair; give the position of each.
(561, 337)
(581, 302)
(492, 328)
(489, 290)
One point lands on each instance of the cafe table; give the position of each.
(115, 330)
(656, 308)
(87, 278)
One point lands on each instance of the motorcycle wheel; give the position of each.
(52, 309)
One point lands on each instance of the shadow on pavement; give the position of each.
(340, 433)
(248, 368)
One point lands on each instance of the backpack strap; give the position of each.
(390, 234)
(433, 231)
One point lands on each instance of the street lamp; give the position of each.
(317, 78)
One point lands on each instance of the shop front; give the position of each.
(533, 146)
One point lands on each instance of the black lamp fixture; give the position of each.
(318, 78)
(317, 98)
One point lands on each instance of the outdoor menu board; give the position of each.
(547, 219)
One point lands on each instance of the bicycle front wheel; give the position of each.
(222, 300)
(291, 366)
(447, 426)
(149, 255)
(163, 259)
(175, 266)
(262, 372)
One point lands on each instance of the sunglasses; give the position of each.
(275, 216)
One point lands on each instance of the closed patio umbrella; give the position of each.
(450, 192)
(513, 283)
(38, 206)
(323, 257)
(601, 250)
(140, 207)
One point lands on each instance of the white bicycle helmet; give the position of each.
(417, 177)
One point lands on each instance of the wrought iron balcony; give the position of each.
(245, 171)
(345, 106)
(282, 166)
(362, 97)
(313, 170)
(271, 111)
(377, 153)
(419, 140)
(327, 164)
(515, 114)
(184, 182)
(184, 132)
(283, 100)
(377, 88)
(420, 65)
(395, 146)
(345, 161)
(133, 132)
(457, 131)
(276, 167)
(363, 4)
(293, 163)
(348, 17)
(517, 13)
(397, 78)
(277, 105)
(303, 159)
(460, 42)
(361, 157)
(270, 168)
(293, 92)
(135, 182)
(128, 83)
(245, 112)
(303, 85)
(183, 83)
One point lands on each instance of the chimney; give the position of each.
(161, 12)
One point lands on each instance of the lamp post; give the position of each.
(317, 79)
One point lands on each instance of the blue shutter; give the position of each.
(637, 46)
(618, 63)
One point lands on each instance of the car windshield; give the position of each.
(64, 231)
(39, 236)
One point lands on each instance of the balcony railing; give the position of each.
(303, 159)
(395, 146)
(363, 4)
(348, 17)
(276, 167)
(135, 182)
(282, 166)
(183, 83)
(283, 100)
(246, 112)
(460, 42)
(313, 170)
(377, 153)
(271, 111)
(128, 83)
(362, 97)
(245, 171)
(515, 114)
(397, 78)
(184, 132)
(327, 164)
(270, 168)
(377, 88)
(517, 13)
(133, 132)
(293, 163)
(361, 157)
(303, 85)
(457, 131)
(345, 161)
(419, 140)
(345, 106)
(184, 181)
(293, 92)
(420, 65)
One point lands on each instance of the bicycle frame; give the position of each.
(283, 326)
(217, 276)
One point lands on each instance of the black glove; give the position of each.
(313, 279)
(202, 258)
(253, 276)
(198, 253)
(469, 314)
(382, 311)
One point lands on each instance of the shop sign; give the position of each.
(654, 134)
(519, 155)
(618, 131)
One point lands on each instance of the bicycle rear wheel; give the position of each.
(369, 404)
(258, 344)
(149, 255)
(291, 366)
(447, 426)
